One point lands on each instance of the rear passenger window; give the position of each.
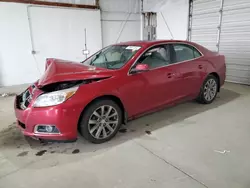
(184, 52)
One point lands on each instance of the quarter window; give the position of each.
(184, 52)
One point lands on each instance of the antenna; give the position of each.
(85, 34)
(85, 51)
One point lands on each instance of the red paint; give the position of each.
(59, 70)
(140, 93)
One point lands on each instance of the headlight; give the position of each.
(54, 98)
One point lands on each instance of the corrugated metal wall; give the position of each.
(235, 40)
(224, 26)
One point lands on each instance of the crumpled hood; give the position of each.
(58, 70)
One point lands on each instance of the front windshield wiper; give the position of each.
(96, 56)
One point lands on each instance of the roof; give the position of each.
(148, 42)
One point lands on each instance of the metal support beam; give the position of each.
(190, 18)
(219, 26)
(142, 20)
(97, 3)
(47, 3)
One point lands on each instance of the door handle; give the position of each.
(200, 66)
(170, 75)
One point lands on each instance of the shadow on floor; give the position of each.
(12, 138)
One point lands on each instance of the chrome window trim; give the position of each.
(165, 43)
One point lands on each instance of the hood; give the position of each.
(58, 70)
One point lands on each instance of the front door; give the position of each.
(151, 89)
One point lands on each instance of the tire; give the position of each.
(95, 121)
(212, 83)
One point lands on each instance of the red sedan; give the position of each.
(117, 84)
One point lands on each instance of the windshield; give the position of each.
(112, 57)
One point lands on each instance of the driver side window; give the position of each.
(155, 57)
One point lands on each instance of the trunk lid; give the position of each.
(58, 70)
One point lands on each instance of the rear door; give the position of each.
(191, 66)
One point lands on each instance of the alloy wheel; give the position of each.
(103, 122)
(210, 89)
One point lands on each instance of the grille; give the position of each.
(18, 101)
(23, 100)
(26, 103)
(21, 124)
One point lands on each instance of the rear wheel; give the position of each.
(101, 121)
(208, 90)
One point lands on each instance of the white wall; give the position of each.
(55, 33)
(16, 62)
(175, 13)
(60, 33)
(19, 66)
(116, 29)
(120, 21)
(84, 2)
(120, 5)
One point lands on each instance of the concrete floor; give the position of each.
(190, 145)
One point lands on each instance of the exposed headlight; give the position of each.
(54, 98)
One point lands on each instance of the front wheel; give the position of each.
(208, 90)
(101, 121)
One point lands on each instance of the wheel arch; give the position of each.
(114, 98)
(216, 75)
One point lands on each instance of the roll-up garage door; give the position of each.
(224, 26)
(235, 40)
(205, 20)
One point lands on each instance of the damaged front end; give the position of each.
(50, 108)
(63, 85)
(65, 73)
(60, 81)
(57, 93)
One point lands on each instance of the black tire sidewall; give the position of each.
(201, 97)
(83, 126)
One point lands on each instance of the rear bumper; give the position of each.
(222, 75)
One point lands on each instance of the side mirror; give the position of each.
(140, 68)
